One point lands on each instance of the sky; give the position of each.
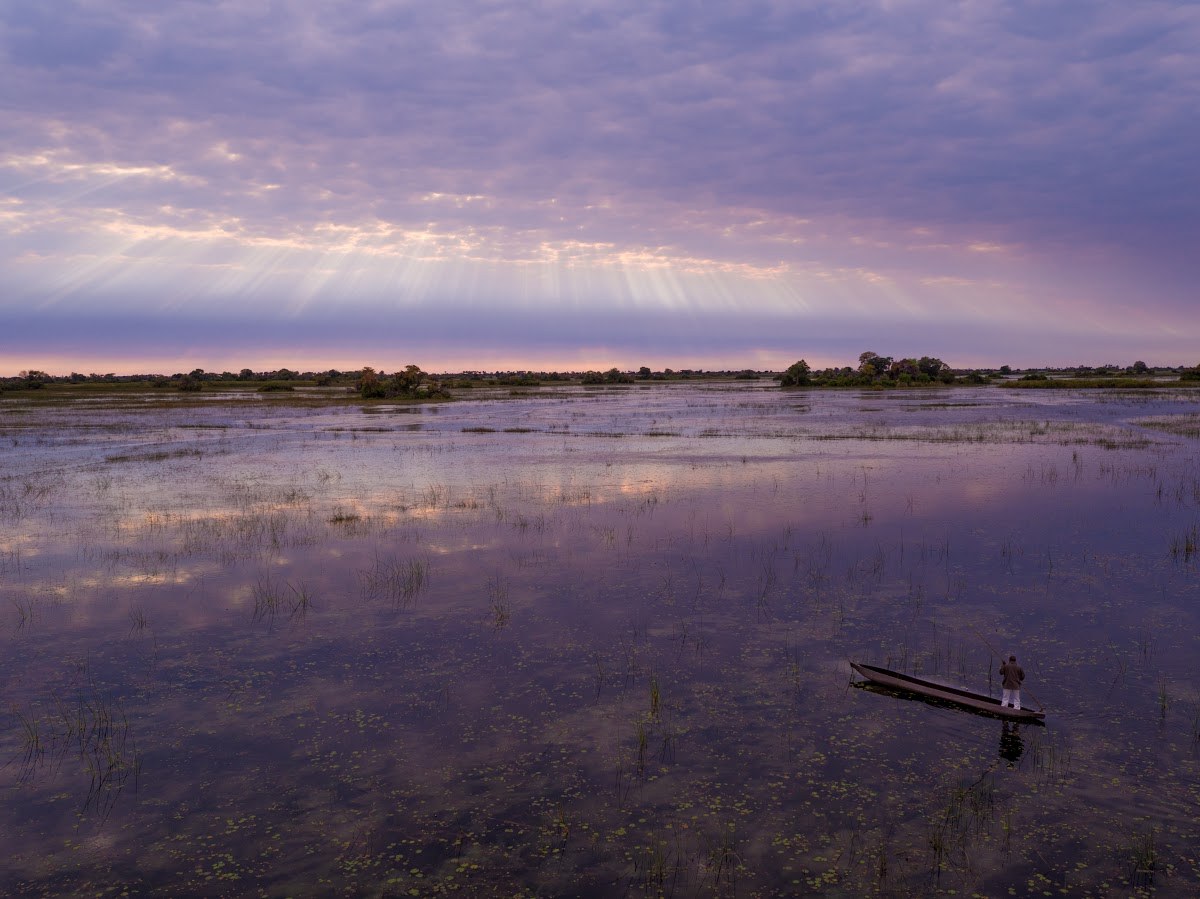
(595, 183)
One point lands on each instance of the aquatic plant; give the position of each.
(94, 728)
(1143, 859)
(722, 859)
(271, 598)
(33, 749)
(498, 604)
(968, 811)
(396, 580)
(1183, 546)
(24, 607)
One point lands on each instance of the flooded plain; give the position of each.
(596, 642)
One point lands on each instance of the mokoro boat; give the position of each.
(979, 702)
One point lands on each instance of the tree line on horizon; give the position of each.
(368, 381)
(873, 370)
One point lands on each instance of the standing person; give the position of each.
(1013, 675)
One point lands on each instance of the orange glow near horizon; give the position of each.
(310, 360)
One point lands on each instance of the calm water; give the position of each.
(596, 642)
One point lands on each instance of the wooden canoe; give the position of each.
(978, 702)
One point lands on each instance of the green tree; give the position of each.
(368, 384)
(873, 365)
(932, 366)
(407, 381)
(798, 374)
(904, 368)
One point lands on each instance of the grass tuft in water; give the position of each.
(396, 580)
(270, 599)
(501, 611)
(1143, 860)
(1183, 546)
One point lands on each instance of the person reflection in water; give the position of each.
(1011, 744)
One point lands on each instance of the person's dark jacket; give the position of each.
(1013, 675)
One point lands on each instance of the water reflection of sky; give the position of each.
(311, 618)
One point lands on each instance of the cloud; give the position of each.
(851, 154)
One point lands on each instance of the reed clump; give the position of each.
(501, 611)
(271, 599)
(1184, 545)
(398, 580)
(1143, 860)
(92, 727)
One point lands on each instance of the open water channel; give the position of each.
(596, 641)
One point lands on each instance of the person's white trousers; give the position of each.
(1011, 697)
